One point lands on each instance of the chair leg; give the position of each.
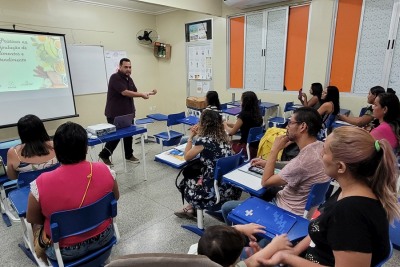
(199, 228)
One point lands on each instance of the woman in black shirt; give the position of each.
(354, 229)
(249, 117)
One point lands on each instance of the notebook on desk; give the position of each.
(124, 121)
(254, 210)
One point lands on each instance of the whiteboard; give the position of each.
(112, 59)
(88, 69)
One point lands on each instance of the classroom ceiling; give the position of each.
(128, 5)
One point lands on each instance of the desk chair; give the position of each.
(81, 220)
(24, 179)
(327, 127)
(394, 233)
(163, 260)
(5, 146)
(387, 258)
(315, 198)
(255, 135)
(170, 137)
(143, 122)
(222, 167)
(280, 122)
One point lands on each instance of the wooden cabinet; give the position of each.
(162, 50)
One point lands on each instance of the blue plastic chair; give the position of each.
(281, 122)
(222, 167)
(394, 233)
(74, 222)
(170, 137)
(255, 135)
(387, 258)
(315, 198)
(24, 179)
(5, 146)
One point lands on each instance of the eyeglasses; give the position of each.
(290, 122)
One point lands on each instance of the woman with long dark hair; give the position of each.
(367, 118)
(36, 150)
(249, 117)
(211, 144)
(315, 101)
(331, 106)
(386, 109)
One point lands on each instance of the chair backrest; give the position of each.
(5, 146)
(388, 257)
(288, 105)
(222, 167)
(173, 118)
(163, 260)
(25, 178)
(78, 221)
(255, 135)
(362, 111)
(315, 198)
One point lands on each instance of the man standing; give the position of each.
(120, 94)
(302, 172)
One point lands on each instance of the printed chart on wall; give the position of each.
(112, 59)
(200, 62)
(200, 72)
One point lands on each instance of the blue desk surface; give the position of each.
(121, 133)
(344, 111)
(268, 105)
(232, 111)
(144, 121)
(190, 120)
(19, 199)
(246, 181)
(158, 117)
(255, 210)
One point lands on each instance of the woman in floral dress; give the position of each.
(212, 143)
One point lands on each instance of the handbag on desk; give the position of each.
(2, 167)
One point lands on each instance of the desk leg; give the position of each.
(123, 153)
(143, 157)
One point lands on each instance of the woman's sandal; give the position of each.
(186, 213)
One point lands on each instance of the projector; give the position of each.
(101, 129)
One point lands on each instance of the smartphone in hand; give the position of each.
(301, 92)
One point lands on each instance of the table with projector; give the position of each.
(104, 132)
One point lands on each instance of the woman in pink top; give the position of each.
(386, 109)
(76, 183)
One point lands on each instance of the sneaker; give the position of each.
(133, 159)
(186, 213)
(106, 161)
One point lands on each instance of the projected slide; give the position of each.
(34, 77)
(31, 62)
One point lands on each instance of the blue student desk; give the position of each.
(158, 117)
(120, 134)
(276, 220)
(189, 120)
(247, 181)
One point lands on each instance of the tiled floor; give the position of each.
(145, 213)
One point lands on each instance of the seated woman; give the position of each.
(331, 106)
(212, 102)
(315, 101)
(212, 144)
(387, 110)
(35, 152)
(367, 118)
(249, 117)
(74, 184)
(353, 230)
